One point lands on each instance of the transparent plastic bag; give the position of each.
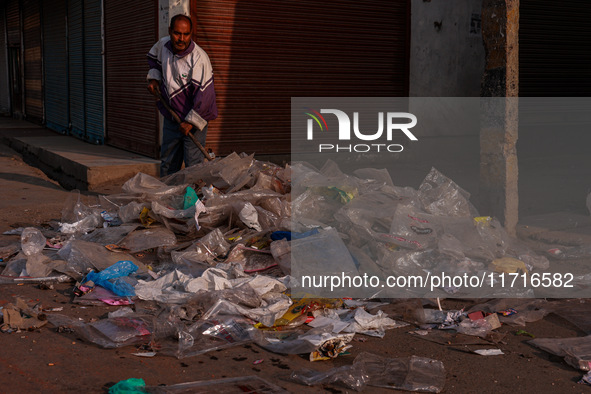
(77, 217)
(148, 185)
(576, 351)
(247, 384)
(140, 240)
(32, 241)
(82, 256)
(110, 333)
(205, 335)
(442, 196)
(108, 235)
(130, 212)
(206, 249)
(281, 251)
(404, 373)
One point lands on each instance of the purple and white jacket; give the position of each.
(186, 82)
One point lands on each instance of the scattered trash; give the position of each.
(218, 250)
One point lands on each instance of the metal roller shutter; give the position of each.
(265, 52)
(13, 23)
(93, 72)
(554, 48)
(132, 117)
(55, 62)
(76, 67)
(32, 60)
(4, 86)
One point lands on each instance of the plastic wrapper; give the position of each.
(249, 216)
(576, 351)
(479, 328)
(442, 196)
(140, 240)
(404, 373)
(356, 321)
(297, 342)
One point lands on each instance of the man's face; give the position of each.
(180, 35)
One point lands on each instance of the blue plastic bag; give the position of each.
(110, 278)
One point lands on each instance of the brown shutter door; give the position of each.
(265, 52)
(554, 48)
(13, 24)
(132, 117)
(32, 58)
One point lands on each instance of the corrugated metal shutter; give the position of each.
(4, 86)
(132, 118)
(76, 67)
(55, 59)
(93, 72)
(265, 52)
(554, 48)
(32, 59)
(13, 23)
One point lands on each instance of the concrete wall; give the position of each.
(446, 49)
(169, 8)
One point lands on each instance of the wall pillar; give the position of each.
(500, 120)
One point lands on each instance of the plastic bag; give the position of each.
(131, 212)
(77, 217)
(404, 373)
(321, 254)
(82, 256)
(576, 351)
(110, 333)
(32, 241)
(442, 196)
(281, 251)
(140, 240)
(145, 184)
(109, 235)
(109, 278)
(205, 249)
(205, 335)
(246, 384)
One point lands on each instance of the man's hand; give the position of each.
(185, 128)
(154, 87)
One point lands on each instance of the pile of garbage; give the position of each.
(215, 253)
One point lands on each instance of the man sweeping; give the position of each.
(181, 75)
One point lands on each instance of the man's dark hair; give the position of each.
(180, 16)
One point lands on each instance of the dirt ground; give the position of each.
(47, 361)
